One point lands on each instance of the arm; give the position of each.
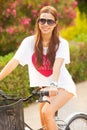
(56, 68)
(12, 64)
(56, 72)
(62, 56)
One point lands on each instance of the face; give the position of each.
(46, 23)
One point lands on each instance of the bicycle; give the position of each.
(12, 116)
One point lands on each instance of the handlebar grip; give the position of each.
(40, 93)
(44, 93)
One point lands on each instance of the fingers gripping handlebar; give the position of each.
(41, 94)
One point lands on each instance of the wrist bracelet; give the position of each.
(54, 84)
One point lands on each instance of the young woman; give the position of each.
(46, 54)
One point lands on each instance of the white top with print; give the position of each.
(43, 76)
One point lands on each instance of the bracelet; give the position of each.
(54, 84)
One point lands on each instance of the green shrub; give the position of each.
(77, 35)
(78, 32)
(78, 65)
(82, 4)
(17, 82)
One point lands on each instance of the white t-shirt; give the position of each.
(43, 76)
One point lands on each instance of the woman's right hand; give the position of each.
(53, 91)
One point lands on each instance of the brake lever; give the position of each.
(34, 92)
(41, 100)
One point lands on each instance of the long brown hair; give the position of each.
(54, 42)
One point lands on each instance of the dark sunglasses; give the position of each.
(50, 22)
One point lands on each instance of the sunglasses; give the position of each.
(50, 22)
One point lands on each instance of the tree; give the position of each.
(82, 4)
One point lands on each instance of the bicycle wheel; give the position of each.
(77, 122)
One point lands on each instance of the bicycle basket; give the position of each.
(11, 115)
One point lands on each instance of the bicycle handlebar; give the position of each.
(34, 93)
(5, 96)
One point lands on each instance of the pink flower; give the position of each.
(55, 1)
(74, 4)
(18, 1)
(29, 5)
(13, 5)
(72, 15)
(8, 10)
(31, 32)
(59, 15)
(39, 6)
(25, 21)
(10, 30)
(14, 12)
(34, 13)
(66, 10)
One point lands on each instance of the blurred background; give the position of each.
(17, 21)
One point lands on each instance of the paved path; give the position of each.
(76, 104)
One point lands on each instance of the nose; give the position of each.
(46, 23)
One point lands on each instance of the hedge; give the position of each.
(78, 65)
(17, 82)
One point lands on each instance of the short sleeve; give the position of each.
(22, 53)
(63, 51)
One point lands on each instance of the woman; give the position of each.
(46, 54)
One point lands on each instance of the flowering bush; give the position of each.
(18, 17)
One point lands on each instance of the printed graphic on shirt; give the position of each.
(45, 68)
